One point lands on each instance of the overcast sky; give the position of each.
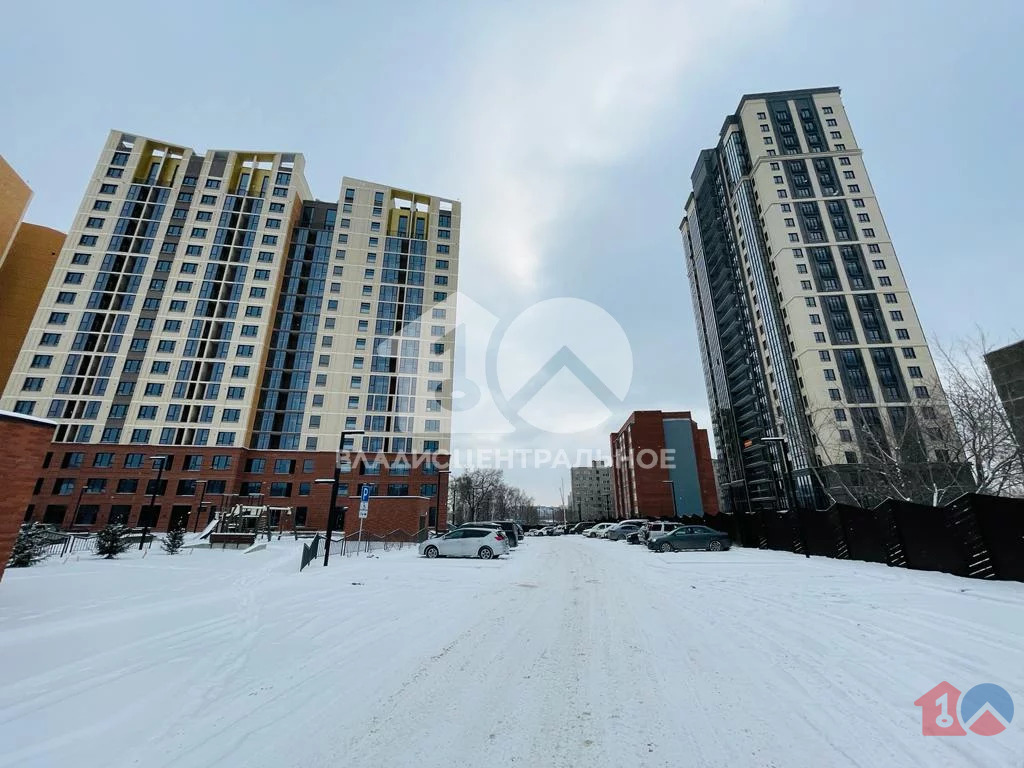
(568, 131)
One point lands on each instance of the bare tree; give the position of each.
(905, 452)
(482, 494)
(985, 434)
(957, 439)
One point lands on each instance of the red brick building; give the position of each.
(84, 486)
(659, 455)
(23, 443)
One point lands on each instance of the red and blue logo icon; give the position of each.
(986, 710)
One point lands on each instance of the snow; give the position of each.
(570, 652)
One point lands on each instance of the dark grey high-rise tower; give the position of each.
(806, 326)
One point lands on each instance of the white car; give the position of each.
(485, 543)
(652, 531)
(598, 531)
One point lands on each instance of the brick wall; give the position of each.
(645, 431)
(23, 442)
(14, 197)
(239, 470)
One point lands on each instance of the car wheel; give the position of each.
(715, 546)
(431, 552)
(666, 547)
(485, 553)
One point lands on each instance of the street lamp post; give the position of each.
(672, 488)
(334, 490)
(788, 486)
(78, 505)
(158, 462)
(199, 507)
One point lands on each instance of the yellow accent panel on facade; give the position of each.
(14, 197)
(23, 278)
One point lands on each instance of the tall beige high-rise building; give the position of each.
(806, 325)
(207, 309)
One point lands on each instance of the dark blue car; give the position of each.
(691, 537)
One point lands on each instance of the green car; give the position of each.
(691, 537)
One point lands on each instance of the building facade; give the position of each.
(806, 327)
(661, 467)
(592, 492)
(207, 309)
(27, 255)
(24, 441)
(1006, 366)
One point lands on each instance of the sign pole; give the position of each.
(364, 510)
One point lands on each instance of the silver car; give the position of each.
(485, 543)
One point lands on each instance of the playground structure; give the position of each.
(243, 524)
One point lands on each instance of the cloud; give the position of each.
(559, 89)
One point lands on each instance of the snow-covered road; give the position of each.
(571, 652)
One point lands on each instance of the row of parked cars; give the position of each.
(661, 536)
(487, 540)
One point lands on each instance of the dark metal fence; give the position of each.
(976, 536)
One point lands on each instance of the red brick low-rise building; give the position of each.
(85, 486)
(23, 444)
(661, 467)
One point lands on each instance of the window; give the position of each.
(41, 361)
(32, 384)
(432, 425)
(66, 297)
(824, 355)
(231, 414)
(845, 436)
(840, 414)
(140, 435)
(154, 389)
(115, 173)
(353, 401)
(236, 393)
(869, 232)
(921, 392)
(896, 314)
(909, 352)
(815, 319)
(24, 407)
(884, 280)
(849, 175)
(127, 485)
(240, 371)
(225, 438)
(878, 264)
(902, 333)
(782, 193)
(835, 134)
(269, 240)
(915, 372)
(853, 188)
(805, 284)
(801, 269)
(244, 350)
(108, 189)
(207, 199)
(830, 374)
(768, 140)
(794, 237)
(273, 223)
(357, 363)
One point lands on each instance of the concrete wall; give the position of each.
(23, 278)
(14, 198)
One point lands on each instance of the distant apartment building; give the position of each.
(1006, 365)
(806, 327)
(592, 492)
(661, 467)
(208, 315)
(27, 255)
